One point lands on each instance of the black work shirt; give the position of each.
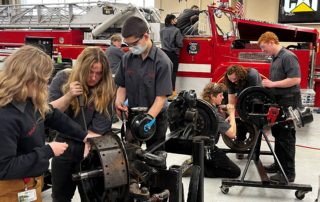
(146, 79)
(171, 39)
(114, 55)
(253, 79)
(285, 65)
(96, 122)
(23, 152)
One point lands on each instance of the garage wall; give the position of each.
(264, 10)
(267, 11)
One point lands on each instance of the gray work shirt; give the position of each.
(96, 122)
(171, 39)
(114, 55)
(223, 125)
(146, 79)
(253, 79)
(285, 65)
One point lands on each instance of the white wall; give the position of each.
(264, 10)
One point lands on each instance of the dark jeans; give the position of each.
(175, 61)
(285, 135)
(62, 168)
(220, 166)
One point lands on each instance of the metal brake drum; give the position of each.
(104, 173)
(252, 101)
(248, 133)
(196, 115)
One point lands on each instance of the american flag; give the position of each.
(239, 8)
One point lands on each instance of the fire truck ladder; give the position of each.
(87, 15)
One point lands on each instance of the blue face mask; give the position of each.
(138, 49)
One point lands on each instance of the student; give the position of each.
(237, 78)
(24, 112)
(114, 52)
(144, 77)
(91, 80)
(285, 77)
(218, 164)
(171, 43)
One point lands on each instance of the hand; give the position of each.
(90, 135)
(87, 148)
(58, 148)
(231, 110)
(75, 89)
(120, 107)
(267, 83)
(148, 125)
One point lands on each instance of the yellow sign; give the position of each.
(300, 6)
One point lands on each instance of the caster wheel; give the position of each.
(299, 194)
(224, 189)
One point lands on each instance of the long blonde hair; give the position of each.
(27, 67)
(104, 92)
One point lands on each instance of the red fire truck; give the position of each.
(216, 41)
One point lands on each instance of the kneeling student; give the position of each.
(217, 164)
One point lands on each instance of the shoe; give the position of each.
(279, 178)
(187, 168)
(239, 156)
(273, 168)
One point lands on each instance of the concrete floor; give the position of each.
(307, 172)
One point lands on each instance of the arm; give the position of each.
(285, 83)
(17, 166)
(232, 99)
(63, 102)
(157, 106)
(291, 68)
(120, 98)
(63, 123)
(232, 131)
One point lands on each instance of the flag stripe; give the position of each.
(239, 8)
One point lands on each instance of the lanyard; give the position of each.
(26, 181)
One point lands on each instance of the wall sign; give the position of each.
(299, 11)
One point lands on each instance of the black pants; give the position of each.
(285, 135)
(62, 168)
(220, 166)
(175, 61)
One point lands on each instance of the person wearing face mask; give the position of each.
(171, 43)
(144, 77)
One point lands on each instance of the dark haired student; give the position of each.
(144, 77)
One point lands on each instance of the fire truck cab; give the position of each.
(221, 39)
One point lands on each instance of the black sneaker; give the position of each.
(279, 178)
(273, 168)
